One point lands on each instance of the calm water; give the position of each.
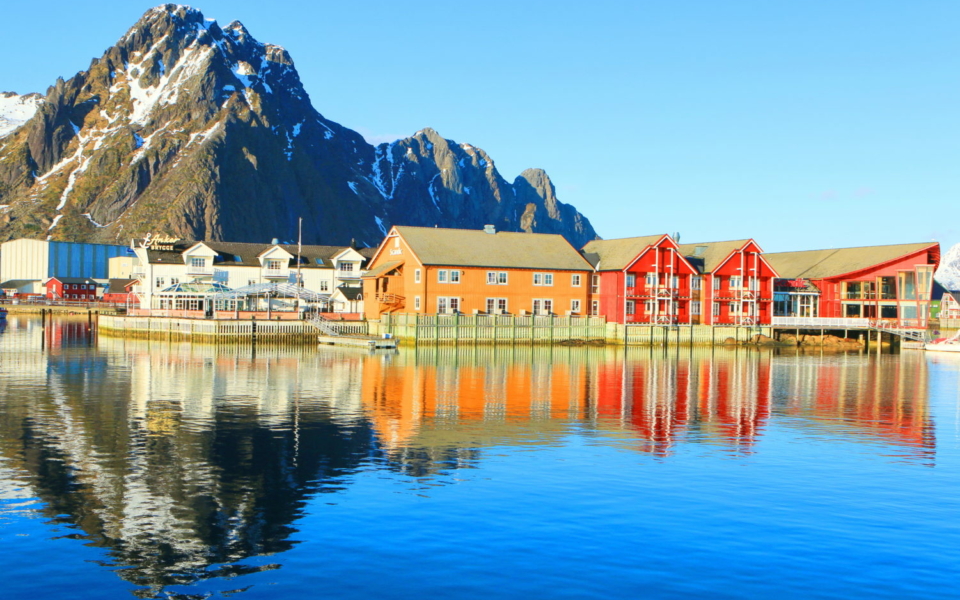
(135, 469)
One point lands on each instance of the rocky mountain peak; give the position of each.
(948, 273)
(202, 132)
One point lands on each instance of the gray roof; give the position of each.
(73, 280)
(243, 254)
(350, 293)
(503, 249)
(820, 264)
(707, 256)
(118, 286)
(17, 283)
(615, 255)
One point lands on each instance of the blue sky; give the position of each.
(802, 124)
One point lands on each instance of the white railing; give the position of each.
(199, 270)
(818, 322)
(276, 273)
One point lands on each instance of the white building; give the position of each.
(162, 263)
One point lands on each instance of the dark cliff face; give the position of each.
(202, 132)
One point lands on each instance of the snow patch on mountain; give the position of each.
(948, 273)
(15, 110)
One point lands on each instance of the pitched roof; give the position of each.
(73, 280)
(350, 293)
(17, 283)
(819, 264)
(615, 255)
(244, 254)
(707, 256)
(119, 286)
(383, 269)
(503, 249)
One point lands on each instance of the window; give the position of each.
(594, 284)
(442, 276)
(651, 279)
(575, 306)
(251, 282)
(496, 305)
(736, 282)
(274, 264)
(675, 282)
(696, 282)
(542, 306)
(755, 284)
(454, 276)
(650, 307)
(631, 307)
(594, 307)
(346, 267)
(496, 278)
(631, 280)
(575, 280)
(445, 276)
(416, 276)
(716, 309)
(543, 279)
(695, 308)
(416, 302)
(324, 286)
(716, 282)
(198, 263)
(734, 308)
(396, 242)
(158, 282)
(448, 304)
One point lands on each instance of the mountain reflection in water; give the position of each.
(183, 461)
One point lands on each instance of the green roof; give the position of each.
(503, 249)
(707, 256)
(615, 255)
(820, 264)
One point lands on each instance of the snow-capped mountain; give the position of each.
(948, 273)
(200, 131)
(15, 110)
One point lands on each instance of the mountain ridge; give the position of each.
(204, 132)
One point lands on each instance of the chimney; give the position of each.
(275, 241)
(489, 229)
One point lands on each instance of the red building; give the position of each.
(737, 282)
(643, 280)
(893, 283)
(71, 288)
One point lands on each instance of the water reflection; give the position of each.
(182, 462)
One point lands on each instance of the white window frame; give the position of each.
(650, 279)
(575, 305)
(448, 304)
(455, 276)
(443, 276)
(595, 307)
(631, 280)
(595, 283)
(416, 275)
(650, 307)
(716, 282)
(736, 282)
(716, 309)
(543, 279)
(543, 306)
(324, 285)
(631, 307)
(416, 303)
(576, 280)
(695, 308)
(735, 309)
(696, 282)
(675, 282)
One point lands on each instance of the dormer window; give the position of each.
(346, 267)
(198, 263)
(274, 264)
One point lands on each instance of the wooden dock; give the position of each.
(358, 341)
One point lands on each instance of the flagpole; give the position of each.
(299, 259)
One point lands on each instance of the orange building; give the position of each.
(429, 270)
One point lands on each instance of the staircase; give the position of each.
(915, 335)
(321, 323)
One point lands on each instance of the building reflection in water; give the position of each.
(183, 461)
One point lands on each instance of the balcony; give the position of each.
(200, 271)
(283, 273)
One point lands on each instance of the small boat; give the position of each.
(951, 344)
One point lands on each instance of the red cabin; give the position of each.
(737, 282)
(643, 280)
(71, 288)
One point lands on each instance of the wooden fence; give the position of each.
(540, 329)
(209, 330)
